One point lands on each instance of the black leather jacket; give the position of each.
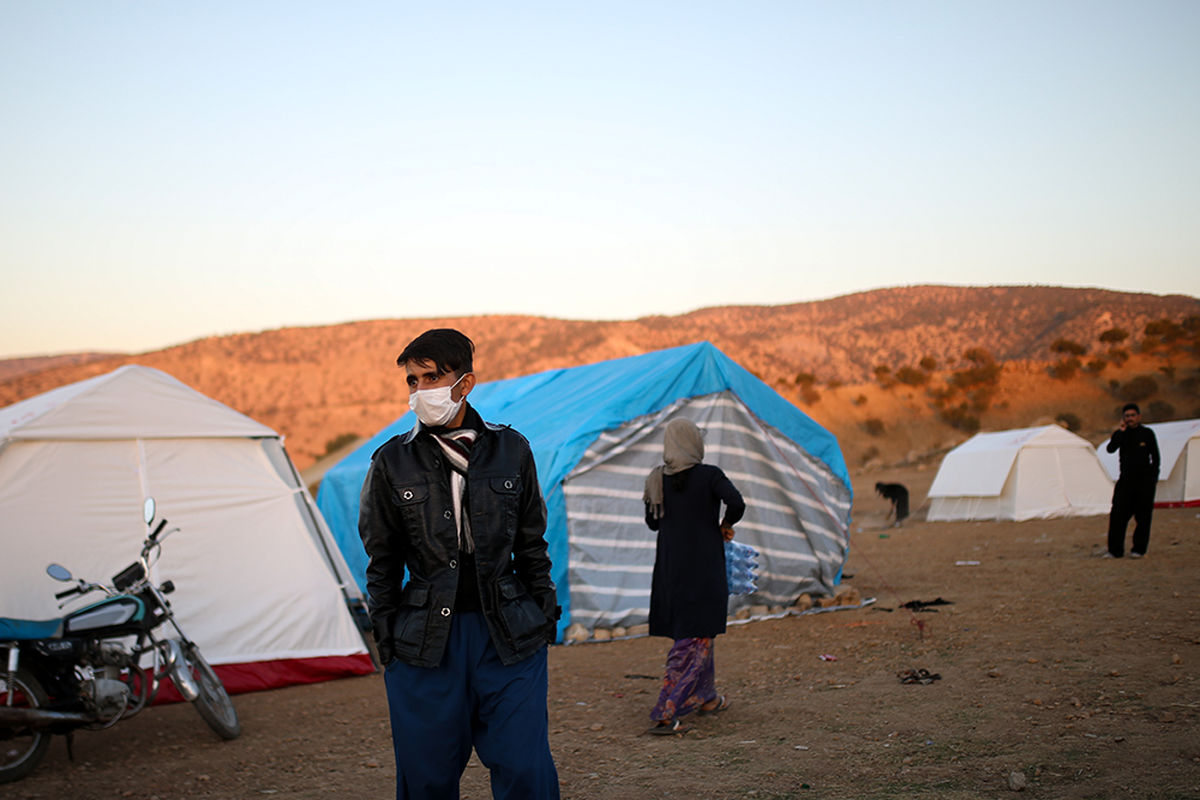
(406, 519)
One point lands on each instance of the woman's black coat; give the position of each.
(690, 595)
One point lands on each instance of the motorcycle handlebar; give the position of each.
(67, 593)
(158, 530)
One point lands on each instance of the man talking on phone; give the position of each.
(1133, 496)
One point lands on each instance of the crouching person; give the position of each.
(456, 501)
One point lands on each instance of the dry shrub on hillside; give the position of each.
(806, 383)
(1114, 336)
(1068, 347)
(978, 382)
(911, 376)
(1066, 369)
(1162, 333)
(1140, 387)
(1167, 336)
(960, 418)
(1160, 411)
(1070, 421)
(338, 442)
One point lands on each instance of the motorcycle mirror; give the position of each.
(58, 572)
(148, 510)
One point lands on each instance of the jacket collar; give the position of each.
(470, 420)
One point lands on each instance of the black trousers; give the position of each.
(901, 503)
(1132, 497)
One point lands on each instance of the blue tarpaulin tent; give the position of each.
(596, 430)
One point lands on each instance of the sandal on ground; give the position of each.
(668, 728)
(922, 676)
(722, 704)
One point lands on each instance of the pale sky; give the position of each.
(173, 170)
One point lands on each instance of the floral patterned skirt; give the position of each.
(690, 679)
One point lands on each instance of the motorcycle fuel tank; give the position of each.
(106, 614)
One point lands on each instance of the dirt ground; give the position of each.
(1078, 673)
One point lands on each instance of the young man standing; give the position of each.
(456, 502)
(1133, 496)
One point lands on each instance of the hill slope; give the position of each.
(314, 384)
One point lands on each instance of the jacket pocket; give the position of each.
(506, 499)
(510, 485)
(520, 614)
(411, 502)
(411, 495)
(412, 617)
(415, 494)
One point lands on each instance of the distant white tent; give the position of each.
(1029, 473)
(1179, 477)
(260, 585)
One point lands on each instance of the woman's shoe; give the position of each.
(668, 728)
(722, 704)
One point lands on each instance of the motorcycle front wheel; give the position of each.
(212, 702)
(21, 748)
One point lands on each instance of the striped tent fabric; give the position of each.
(794, 509)
(596, 430)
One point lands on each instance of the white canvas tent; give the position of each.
(259, 584)
(1029, 473)
(1179, 476)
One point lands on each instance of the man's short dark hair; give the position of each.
(1131, 407)
(447, 349)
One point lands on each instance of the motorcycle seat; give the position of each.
(20, 629)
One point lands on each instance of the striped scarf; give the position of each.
(456, 445)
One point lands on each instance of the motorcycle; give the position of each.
(85, 670)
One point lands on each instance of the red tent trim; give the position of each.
(256, 676)
(1184, 504)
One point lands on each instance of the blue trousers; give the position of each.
(471, 700)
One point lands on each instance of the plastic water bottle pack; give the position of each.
(741, 568)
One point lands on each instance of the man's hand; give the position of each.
(727, 532)
(551, 630)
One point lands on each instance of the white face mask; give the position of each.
(434, 407)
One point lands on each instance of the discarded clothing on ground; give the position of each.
(924, 605)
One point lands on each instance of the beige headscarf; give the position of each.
(683, 448)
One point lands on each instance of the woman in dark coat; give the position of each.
(689, 594)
